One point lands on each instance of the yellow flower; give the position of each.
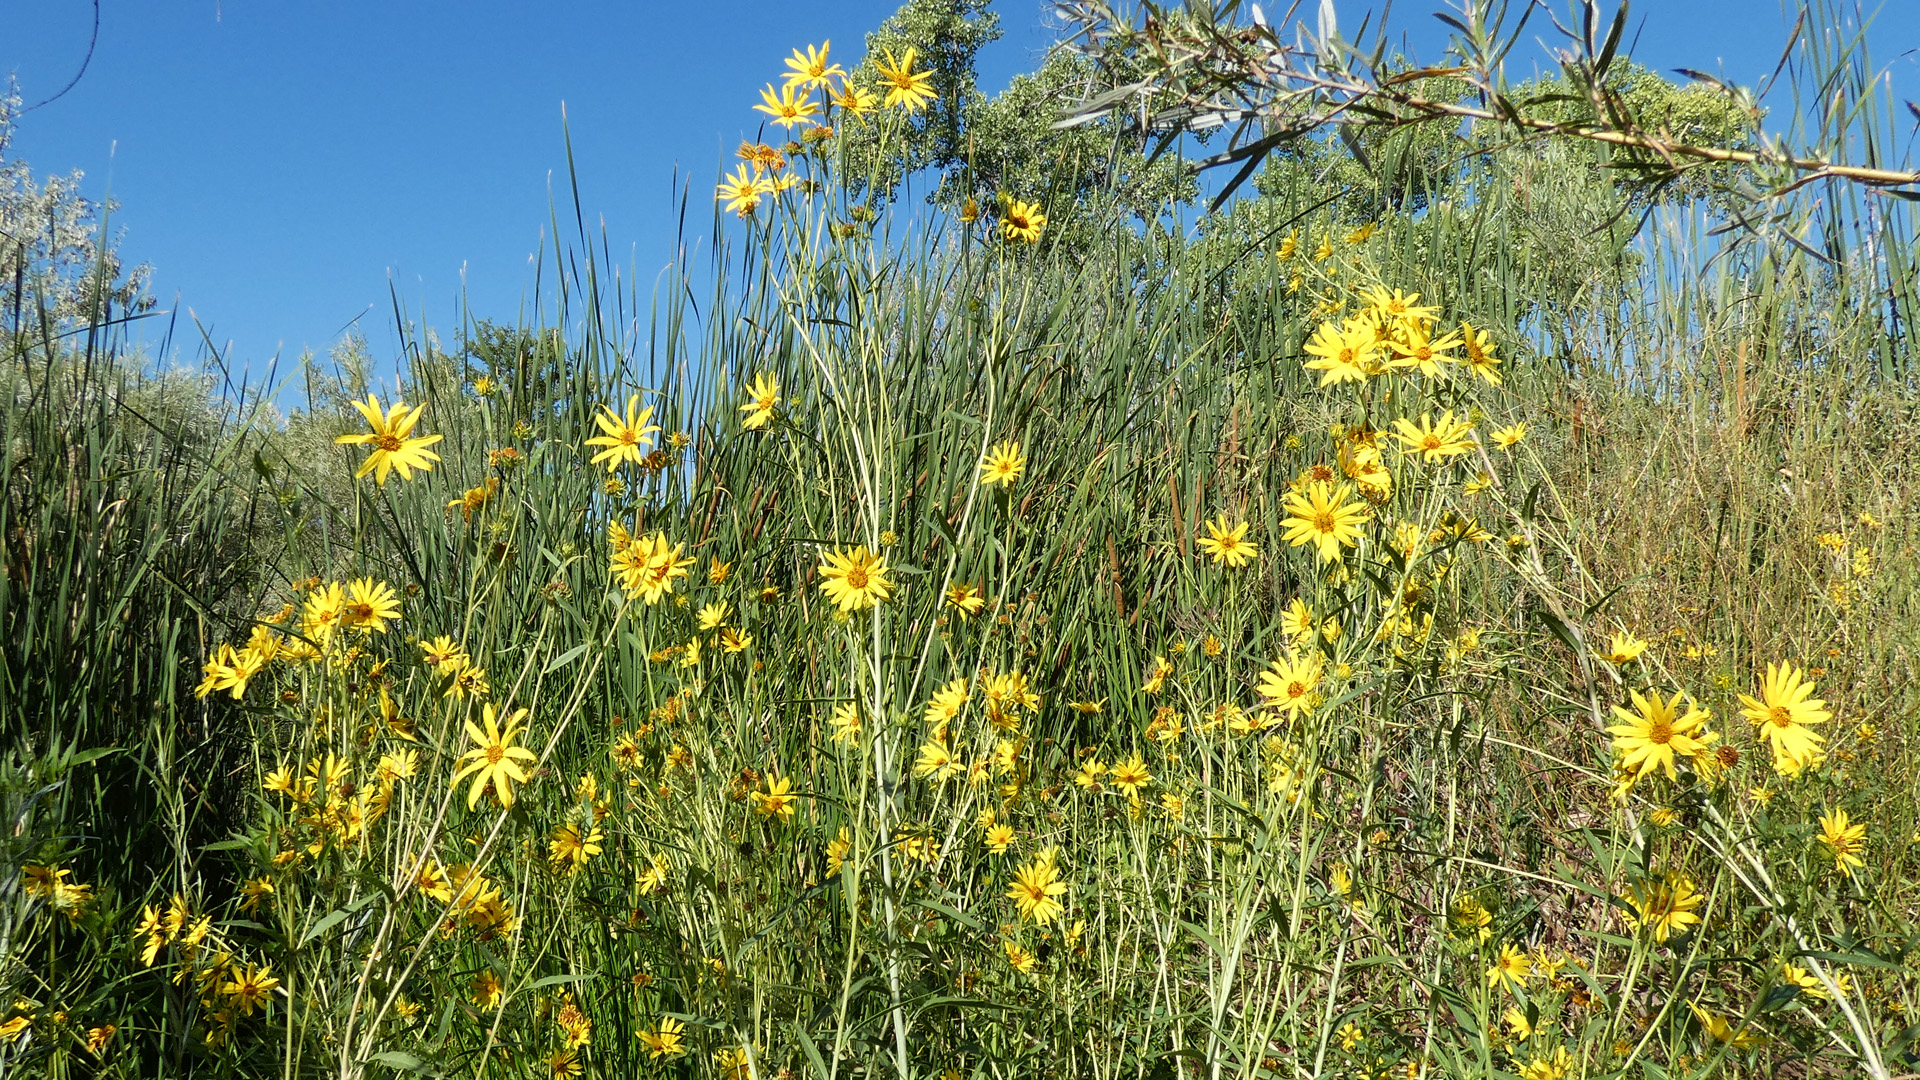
(564, 1063)
(1322, 516)
(1507, 438)
(998, 838)
(786, 108)
(495, 759)
(777, 801)
(966, 599)
(1130, 776)
(569, 848)
(1228, 543)
(668, 1041)
(99, 1037)
(1343, 353)
(1035, 887)
(648, 566)
(741, 191)
(395, 447)
(1297, 622)
(1554, 1066)
(856, 100)
(947, 703)
(1510, 969)
(1805, 981)
(1846, 841)
(1019, 959)
(370, 606)
(14, 1028)
(1022, 221)
(1624, 649)
(1651, 738)
(1721, 1031)
(1480, 354)
(855, 580)
(1519, 1028)
(810, 70)
(1157, 679)
(1288, 685)
(623, 436)
(1664, 905)
(734, 641)
(1788, 707)
(1415, 349)
(907, 88)
(1088, 708)
(714, 615)
(936, 762)
(249, 988)
(475, 498)
(764, 396)
(1469, 917)
(1434, 440)
(1002, 465)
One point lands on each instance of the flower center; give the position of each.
(495, 753)
(1296, 689)
(1431, 442)
(857, 578)
(389, 443)
(1660, 731)
(1780, 716)
(1323, 521)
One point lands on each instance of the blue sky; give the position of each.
(279, 163)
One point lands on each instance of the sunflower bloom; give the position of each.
(810, 70)
(764, 396)
(786, 107)
(967, 599)
(249, 988)
(623, 436)
(395, 447)
(1434, 441)
(1322, 516)
(1654, 736)
(907, 88)
(1002, 465)
(1036, 886)
(1722, 1031)
(855, 580)
(494, 760)
(1844, 840)
(1510, 969)
(1228, 544)
(777, 801)
(1288, 685)
(1665, 905)
(1342, 354)
(370, 606)
(1784, 713)
(1022, 221)
(1130, 776)
(1624, 648)
(1415, 349)
(741, 192)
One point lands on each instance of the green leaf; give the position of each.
(556, 980)
(399, 1059)
(565, 658)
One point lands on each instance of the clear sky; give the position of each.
(279, 163)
